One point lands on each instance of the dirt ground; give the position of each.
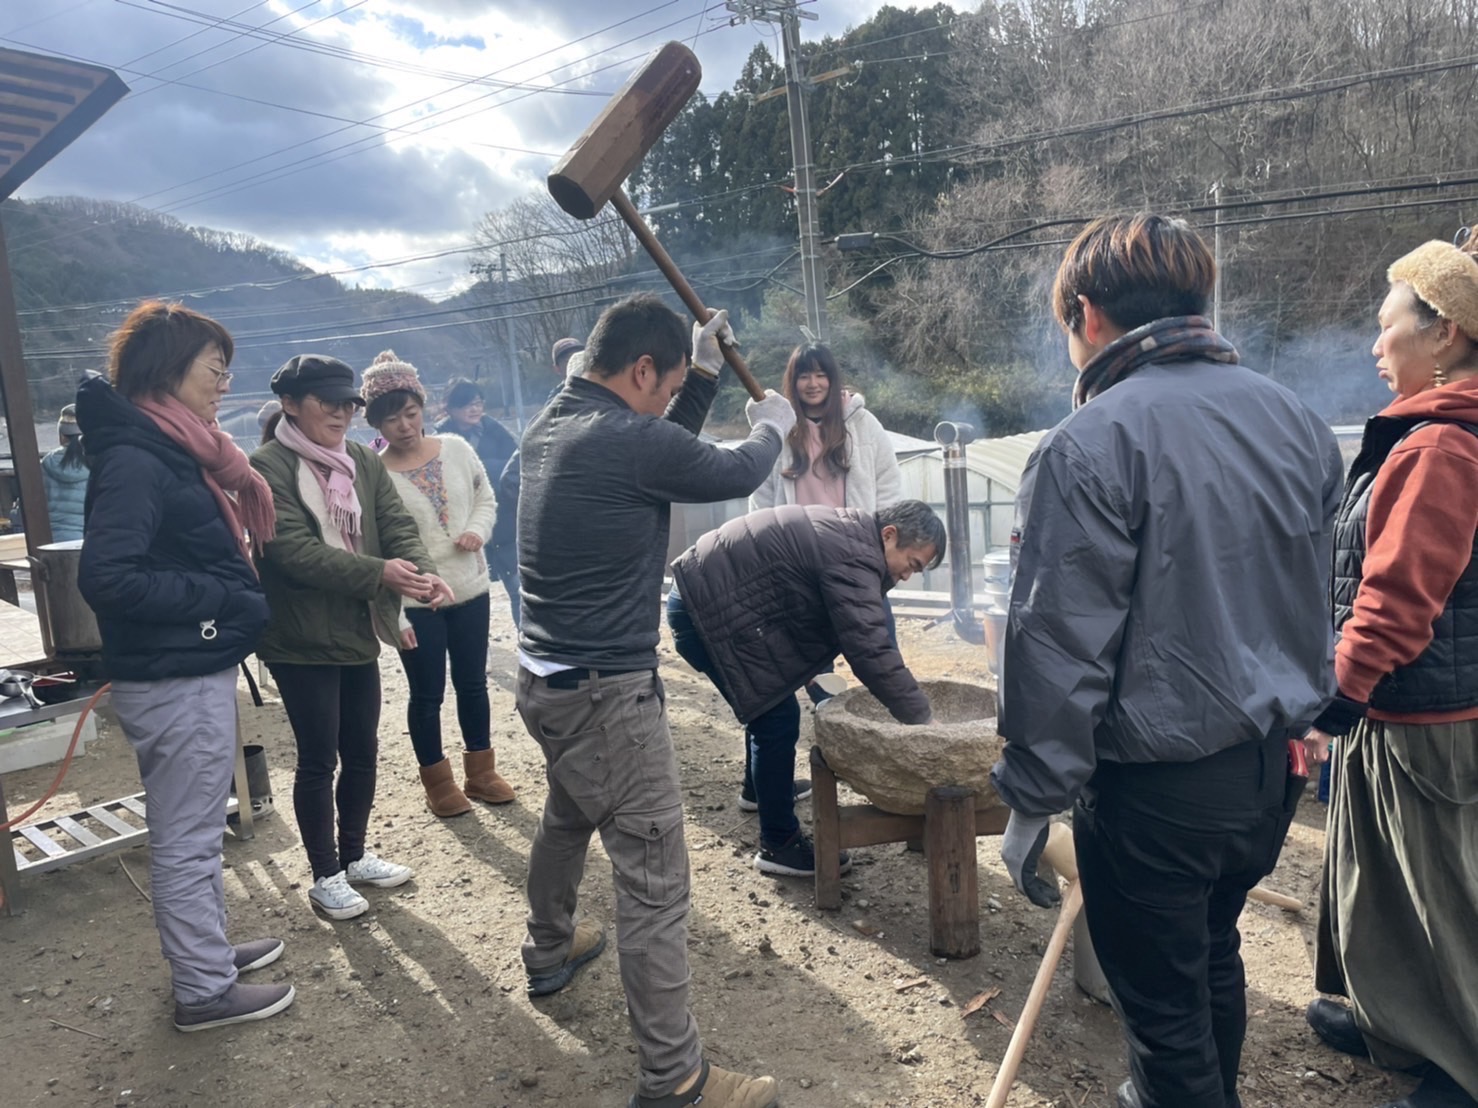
(421, 1001)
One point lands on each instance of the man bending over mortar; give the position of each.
(767, 601)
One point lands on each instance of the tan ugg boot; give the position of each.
(483, 781)
(442, 795)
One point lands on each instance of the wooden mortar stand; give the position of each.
(948, 827)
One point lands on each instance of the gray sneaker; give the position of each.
(256, 954)
(238, 1004)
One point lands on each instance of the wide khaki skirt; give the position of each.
(1398, 918)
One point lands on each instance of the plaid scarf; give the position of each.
(1174, 339)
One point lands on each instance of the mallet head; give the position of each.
(631, 123)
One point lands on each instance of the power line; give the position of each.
(370, 121)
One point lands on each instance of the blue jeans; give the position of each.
(770, 738)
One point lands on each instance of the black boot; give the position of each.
(1437, 1090)
(1335, 1024)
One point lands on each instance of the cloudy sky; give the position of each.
(360, 131)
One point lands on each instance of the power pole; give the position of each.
(788, 15)
(512, 352)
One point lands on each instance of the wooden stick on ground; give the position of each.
(80, 1031)
(1059, 855)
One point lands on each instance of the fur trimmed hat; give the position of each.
(388, 373)
(1446, 278)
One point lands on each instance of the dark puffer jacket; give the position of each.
(776, 595)
(172, 591)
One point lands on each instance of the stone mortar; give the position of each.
(893, 764)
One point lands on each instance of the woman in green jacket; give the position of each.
(345, 552)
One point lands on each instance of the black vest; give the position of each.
(1444, 677)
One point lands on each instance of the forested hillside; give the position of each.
(1332, 135)
(74, 285)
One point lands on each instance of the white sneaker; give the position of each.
(370, 870)
(334, 898)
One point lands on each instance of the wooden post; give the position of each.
(954, 884)
(10, 879)
(15, 395)
(826, 830)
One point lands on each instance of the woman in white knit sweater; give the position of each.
(838, 453)
(447, 492)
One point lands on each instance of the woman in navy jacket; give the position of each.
(166, 568)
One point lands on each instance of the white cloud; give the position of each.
(311, 180)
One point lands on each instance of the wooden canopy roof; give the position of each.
(45, 103)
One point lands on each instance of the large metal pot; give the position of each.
(69, 630)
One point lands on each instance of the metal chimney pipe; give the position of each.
(954, 437)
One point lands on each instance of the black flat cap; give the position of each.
(317, 375)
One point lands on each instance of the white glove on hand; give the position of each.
(708, 356)
(774, 409)
(1021, 850)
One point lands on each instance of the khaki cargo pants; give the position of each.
(611, 768)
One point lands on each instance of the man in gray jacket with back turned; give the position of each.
(1168, 635)
(602, 464)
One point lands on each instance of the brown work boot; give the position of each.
(588, 941)
(718, 1088)
(483, 780)
(442, 795)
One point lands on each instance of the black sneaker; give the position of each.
(797, 858)
(748, 803)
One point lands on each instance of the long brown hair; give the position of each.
(833, 425)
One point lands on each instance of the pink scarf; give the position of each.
(225, 468)
(335, 471)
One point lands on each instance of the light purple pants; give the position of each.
(183, 731)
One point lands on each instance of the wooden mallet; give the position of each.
(1058, 854)
(594, 169)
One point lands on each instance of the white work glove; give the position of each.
(774, 410)
(708, 356)
(1021, 850)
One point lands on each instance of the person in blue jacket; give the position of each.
(167, 569)
(64, 473)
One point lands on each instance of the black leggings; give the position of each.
(460, 633)
(335, 716)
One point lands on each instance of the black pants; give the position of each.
(458, 633)
(1166, 854)
(335, 717)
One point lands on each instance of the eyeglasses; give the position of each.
(332, 406)
(223, 376)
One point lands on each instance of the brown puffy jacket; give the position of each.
(776, 595)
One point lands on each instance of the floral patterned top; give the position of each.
(430, 483)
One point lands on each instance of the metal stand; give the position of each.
(91, 832)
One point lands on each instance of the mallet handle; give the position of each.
(627, 211)
(1027, 1021)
